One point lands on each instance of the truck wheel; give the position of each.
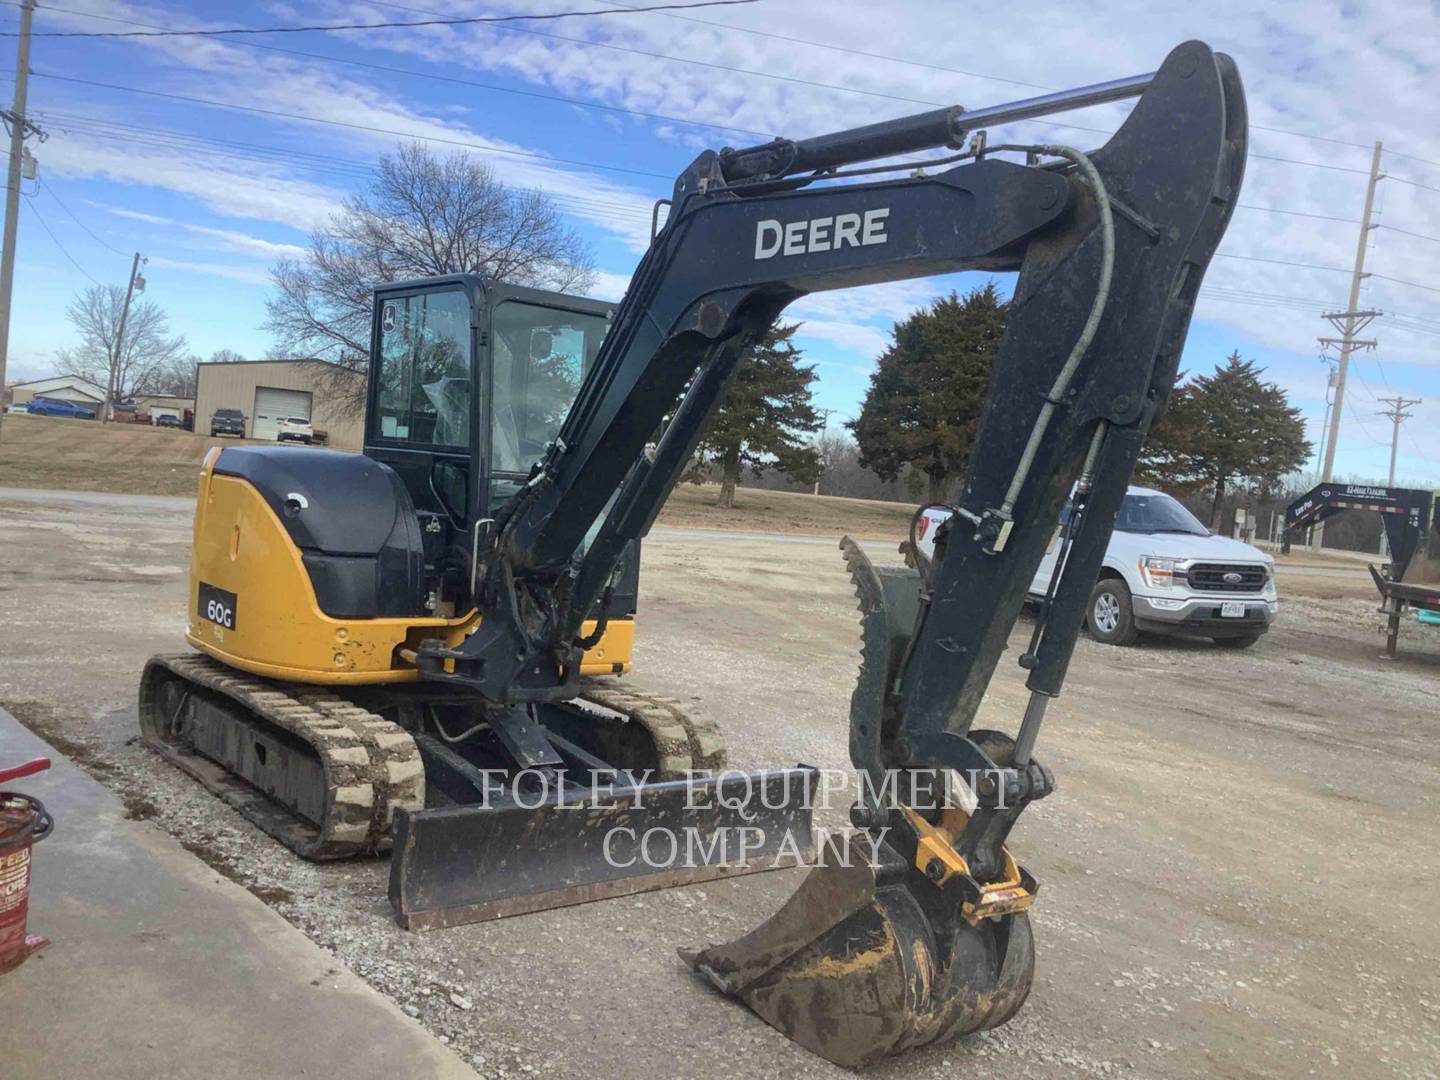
(1110, 617)
(1244, 641)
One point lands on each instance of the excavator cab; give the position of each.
(470, 382)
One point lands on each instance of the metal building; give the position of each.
(58, 387)
(326, 394)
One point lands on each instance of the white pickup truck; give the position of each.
(1164, 572)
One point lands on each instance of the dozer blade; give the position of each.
(855, 969)
(464, 864)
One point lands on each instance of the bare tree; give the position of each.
(422, 215)
(225, 356)
(147, 347)
(173, 378)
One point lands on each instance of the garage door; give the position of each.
(271, 404)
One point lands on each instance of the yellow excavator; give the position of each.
(421, 648)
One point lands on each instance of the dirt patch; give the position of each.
(272, 894)
(139, 808)
(215, 859)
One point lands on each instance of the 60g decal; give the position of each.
(217, 606)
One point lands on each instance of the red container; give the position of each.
(23, 823)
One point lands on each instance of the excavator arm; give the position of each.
(927, 939)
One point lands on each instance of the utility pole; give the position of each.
(1397, 415)
(19, 128)
(1329, 401)
(118, 351)
(824, 430)
(1349, 322)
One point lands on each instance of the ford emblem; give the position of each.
(1232, 578)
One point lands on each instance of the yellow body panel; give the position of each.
(280, 632)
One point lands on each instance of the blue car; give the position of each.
(56, 407)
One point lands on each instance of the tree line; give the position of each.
(1224, 433)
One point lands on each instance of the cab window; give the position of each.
(540, 356)
(423, 385)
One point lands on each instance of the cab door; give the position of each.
(423, 404)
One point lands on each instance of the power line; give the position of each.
(1407, 232)
(1308, 164)
(481, 147)
(663, 9)
(455, 80)
(1411, 183)
(713, 66)
(1402, 281)
(36, 214)
(1412, 157)
(936, 67)
(1297, 213)
(1306, 135)
(1277, 262)
(52, 193)
(839, 48)
(377, 26)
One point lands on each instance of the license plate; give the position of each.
(1232, 609)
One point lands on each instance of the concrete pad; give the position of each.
(159, 968)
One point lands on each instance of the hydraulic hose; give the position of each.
(1092, 179)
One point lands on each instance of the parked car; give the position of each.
(227, 422)
(59, 407)
(296, 429)
(1164, 572)
(167, 420)
(124, 412)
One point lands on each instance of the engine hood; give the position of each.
(1181, 546)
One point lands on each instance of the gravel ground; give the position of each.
(1238, 870)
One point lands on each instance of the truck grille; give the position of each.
(1210, 577)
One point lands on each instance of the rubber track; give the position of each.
(372, 767)
(687, 745)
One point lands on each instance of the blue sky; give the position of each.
(214, 195)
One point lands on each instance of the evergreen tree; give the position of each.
(927, 392)
(765, 416)
(1226, 430)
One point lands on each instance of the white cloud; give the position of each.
(228, 239)
(609, 286)
(250, 275)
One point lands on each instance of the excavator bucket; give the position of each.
(857, 967)
(873, 956)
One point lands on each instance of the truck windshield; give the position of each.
(1157, 514)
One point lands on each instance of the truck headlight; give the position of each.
(1160, 572)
